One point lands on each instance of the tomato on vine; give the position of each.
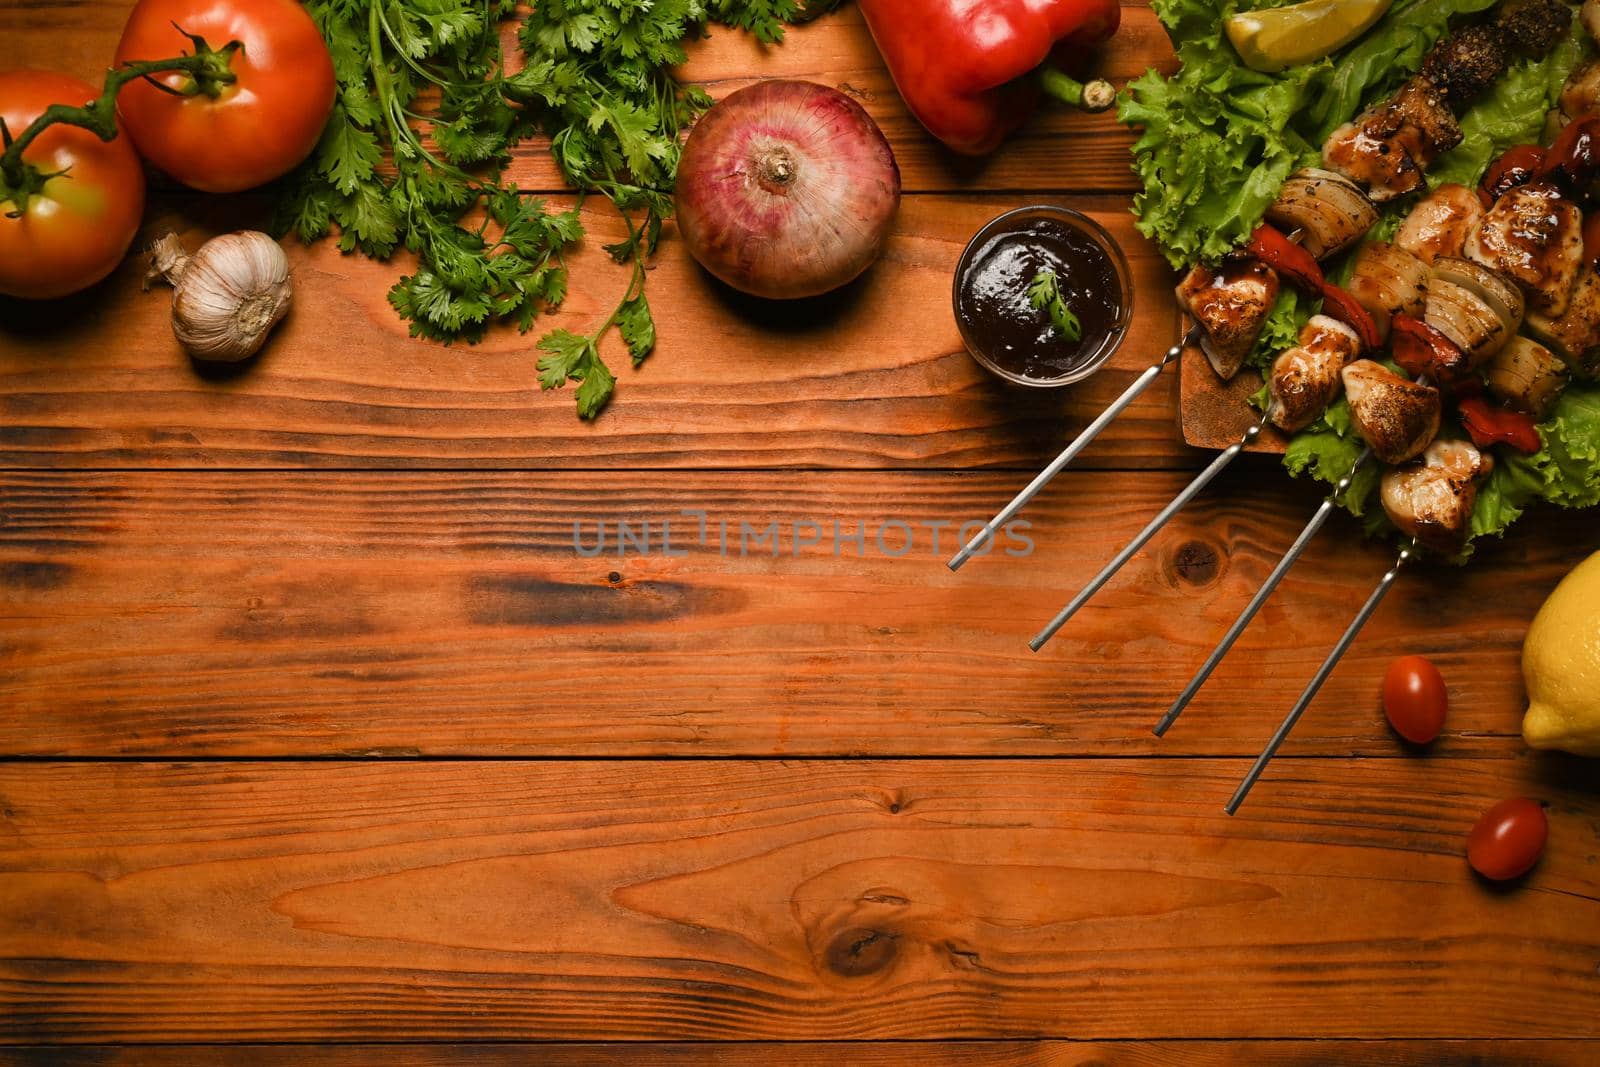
(69, 201)
(226, 134)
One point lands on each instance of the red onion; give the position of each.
(786, 189)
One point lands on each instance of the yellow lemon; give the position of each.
(1561, 664)
(1281, 37)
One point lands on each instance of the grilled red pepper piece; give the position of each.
(1489, 425)
(1270, 246)
(964, 68)
(1423, 350)
(1342, 306)
(1516, 166)
(1574, 158)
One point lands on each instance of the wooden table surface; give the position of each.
(316, 727)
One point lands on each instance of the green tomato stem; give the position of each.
(211, 70)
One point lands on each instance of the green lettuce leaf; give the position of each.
(1218, 138)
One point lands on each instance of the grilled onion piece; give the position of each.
(1329, 210)
(1527, 376)
(1395, 416)
(1439, 223)
(1473, 306)
(1574, 335)
(1305, 378)
(1534, 236)
(1386, 280)
(1432, 501)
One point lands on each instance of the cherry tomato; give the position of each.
(1508, 839)
(1517, 165)
(77, 226)
(255, 129)
(1414, 699)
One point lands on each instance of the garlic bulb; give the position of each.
(226, 297)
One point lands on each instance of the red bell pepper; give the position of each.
(1342, 306)
(1516, 166)
(1574, 158)
(1489, 425)
(1270, 246)
(963, 66)
(1423, 351)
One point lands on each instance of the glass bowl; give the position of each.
(1011, 221)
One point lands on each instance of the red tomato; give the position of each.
(1508, 839)
(1414, 699)
(255, 129)
(78, 225)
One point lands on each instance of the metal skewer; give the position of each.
(1317, 679)
(1090, 432)
(1177, 504)
(1324, 510)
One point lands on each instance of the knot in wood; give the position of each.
(1195, 563)
(858, 952)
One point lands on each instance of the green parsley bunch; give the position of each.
(425, 86)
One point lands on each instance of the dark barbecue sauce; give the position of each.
(995, 313)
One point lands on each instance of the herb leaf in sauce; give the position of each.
(1044, 292)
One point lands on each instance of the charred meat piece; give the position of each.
(1465, 63)
(1439, 223)
(1533, 27)
(1534, 236)
(1574, 335)
(1432, 501)
(1387, 147)
(1230, 304)
(1395, 416)
(1325, 208)
(1388, 281)
(1305, 378)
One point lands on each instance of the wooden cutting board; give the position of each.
(1214, 413)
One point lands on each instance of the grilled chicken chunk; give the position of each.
(1574, 335)
(1534, 236)
(1231, 305)
(1387, 147)
(1305, 378)
(1395, 416)
(1432, 501)
(1439, 223)
(1581, 92)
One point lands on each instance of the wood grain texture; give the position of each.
(268, 613)
(693, 900)
(873, 376)
(1576, 1053)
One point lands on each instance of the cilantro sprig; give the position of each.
(424, 86)
(1044, 293)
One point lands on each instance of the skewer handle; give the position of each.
(1317, 679)
(1090, 432)
(1178, 503)
(1324, 510)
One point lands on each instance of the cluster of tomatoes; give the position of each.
(1508, 838)
(69, 212)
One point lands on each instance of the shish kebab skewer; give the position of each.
(1386, 148)
(1434, 502)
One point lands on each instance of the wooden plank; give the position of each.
(874, 376)
(830, 1054)
(1060, 149)
(192, 613)
(1092, 899)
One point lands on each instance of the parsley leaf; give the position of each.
(1044, 293)
(425, 85)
